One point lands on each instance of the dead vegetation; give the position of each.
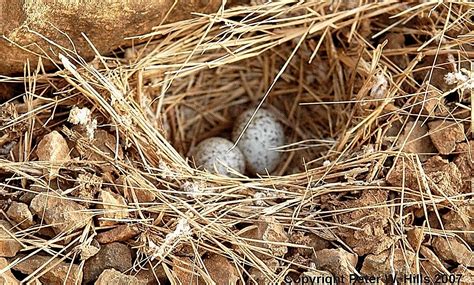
(97, 185)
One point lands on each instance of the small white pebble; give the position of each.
(258, 142)
(326, 163)
(216, 155)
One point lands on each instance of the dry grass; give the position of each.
(315, 64)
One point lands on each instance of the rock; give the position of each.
(310, 240)
(467, 275)
(380, 264)
(461, 219)
(86, 187)
(370, 216)
(185, 271)
(113, 255)
(62, 214)
(429, 270)
(20, 214)
(465, 163)
(265, 278)
(114, 277)
(106, 145)
(114, 208)
(450, 249)
(9, 246)
(89, 250)
(415, 139)
(444, 176)
(268, 230)
(58, 272)
(415, 236)
(132, 191)
(7, 277)
(337, 261)
(119, 233)
(221, 270)
(152, 276)
(445, 135)
(54, 149)
(432, 265)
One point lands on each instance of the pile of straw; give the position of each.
(345, 78)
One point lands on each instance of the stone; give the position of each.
(53, 148)
(114, 208)
(444, 176)
(336, 261)
(221, 270)
(445, 135)
(369, 216)
(415, 236)
(119, 233)
(58, 272)
(9, 246)
(152, 275)
(415, 139)
(450, 249)
(461, 219)
(20, 214)
(311, 242)
(114, 277)
(113, 255)
(62, 214)
(467, 275)
(132, 191)
(464, 160)
(7, 277)
(268, 277)
(185, 271)
(379, 264)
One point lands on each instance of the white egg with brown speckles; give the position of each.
(216, 155)
(258, 142)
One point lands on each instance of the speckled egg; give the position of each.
(215, 155)
(257, 144)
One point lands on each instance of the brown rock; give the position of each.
(221, 270)
(54, 272)
(86, 187)
(132, 191)
(467, 275)
(450, 249)
(380, 264)
(7, 278)
(54, 149)
(309, 240)
(415, 139)
(430, 270)
(370, 215)
(186, 271)
(89, 250)
(337, 261)
(20, 214)
(444, 176)
(461, 219)
(113, 255)
(152, 275)
(114, 208)
(106, 144)
(445, 135)
(268, 277)
(119, 233)
(435, 265)
(9, 246)
(465, 163)
(114, 277)
(268, 230)
(415, 236)
(62, 214)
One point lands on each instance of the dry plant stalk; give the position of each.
(105, 23)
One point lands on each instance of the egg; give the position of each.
(258, 141)
(217, 156)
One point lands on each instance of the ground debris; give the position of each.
(9, 246)
(114, 208)
(115, 255)
(54, 272)
(119, 233)
(336, 261)
(7, 277)
(221, 270)
(380, 264)
(62, 214)
(445, 135)
(370, 215)
(415, 139)
(465, 163)
(54, 149)
(461, 219)
(20, 214)
(467, 275)
(112, 276)
(450, 249)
